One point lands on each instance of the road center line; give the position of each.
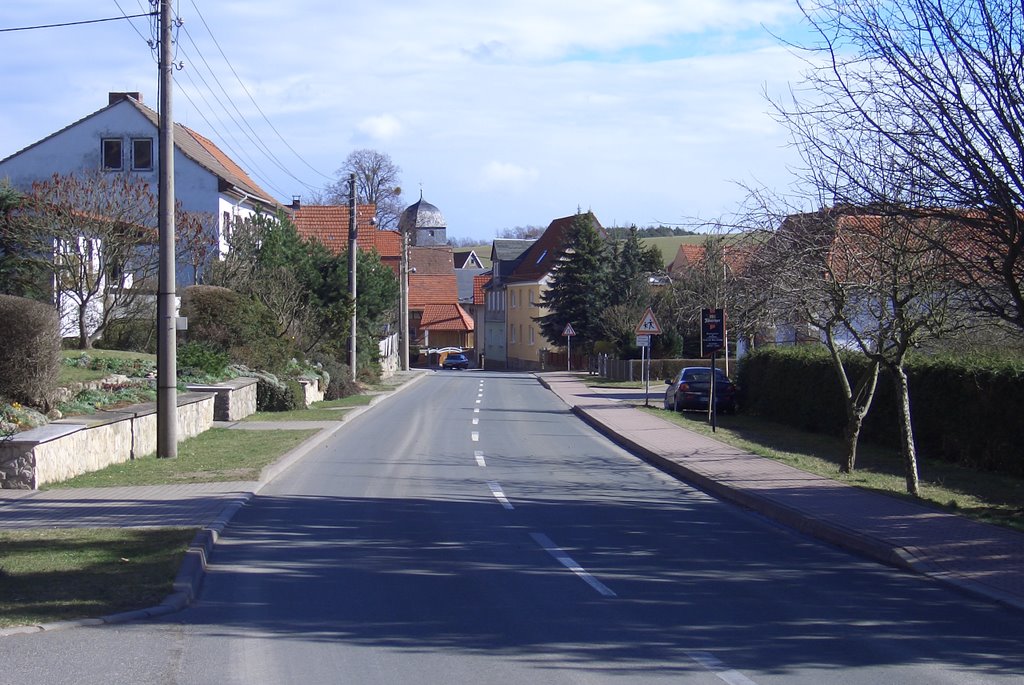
(476, 422)
(475, 436)
(476, 410)
(480, 458)
(495, 487)
(565, 560)
(713, 664)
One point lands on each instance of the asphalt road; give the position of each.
(471, 530)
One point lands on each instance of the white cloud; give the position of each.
(639, 109)
(507, 176)
(383, 127)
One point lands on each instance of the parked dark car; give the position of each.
(455, 360)
(690, 387)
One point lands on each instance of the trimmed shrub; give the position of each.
(30, 353)
(964, 410)
(273, 394)
(201, 359)
(132, 335)
(242, 327)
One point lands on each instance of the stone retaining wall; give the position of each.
(235, 399)
(313, 391)
(79, 444)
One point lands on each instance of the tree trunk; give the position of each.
(857, 401)
(83, 330)
(906, 429)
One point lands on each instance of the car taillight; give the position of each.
(684, 387)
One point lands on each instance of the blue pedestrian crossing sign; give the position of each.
(648, 325)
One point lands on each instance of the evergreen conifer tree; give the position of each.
(580, 285)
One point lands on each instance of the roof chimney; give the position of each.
(117, 97)
(296, 202)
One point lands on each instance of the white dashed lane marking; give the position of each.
(480, 458)
(499, 495)
(714, 665)
(565, 560)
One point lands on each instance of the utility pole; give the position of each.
(404, 289)
(353, 233)
(166, 314)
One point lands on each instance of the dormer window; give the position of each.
(113, 154)
(142, 154)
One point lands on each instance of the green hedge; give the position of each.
(29, 351)
(964, 410)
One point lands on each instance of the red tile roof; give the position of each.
(445, 317)
(735, 255)
(427, 289)
(329, 225)
(478, 287)
(432, 261)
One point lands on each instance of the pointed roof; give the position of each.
(509, 249)
(421, 214)
(540, 259)
(433, 260)
(432, 289)
(329, 225)
(479, 281)
(467, 260)
(445, 317)
(196, 147)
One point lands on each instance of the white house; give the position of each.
(123, 137)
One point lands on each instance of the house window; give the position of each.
(512, 333)
(142, 154)
(113, 157)
(532, 341)
(226, 229)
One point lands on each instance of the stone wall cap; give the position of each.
(50, 431)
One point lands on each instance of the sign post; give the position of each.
(568, 333)
(647, 327)
(712, 339)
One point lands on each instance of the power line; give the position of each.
(251, 134)
(253, 100)
(78, 23)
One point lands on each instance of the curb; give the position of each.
(907, 559)
(193, 567)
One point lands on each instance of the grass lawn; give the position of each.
(984, 496)
(328, 410)
(219, 454)
(69, 374)
(56, 575)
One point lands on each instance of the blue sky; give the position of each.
(644, 111)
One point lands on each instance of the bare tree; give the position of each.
(96, 235)
(377, 183)
(795, 264)
(523, 232)
(940, 85)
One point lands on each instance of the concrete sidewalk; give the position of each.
(209, 506)
(983, 559)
